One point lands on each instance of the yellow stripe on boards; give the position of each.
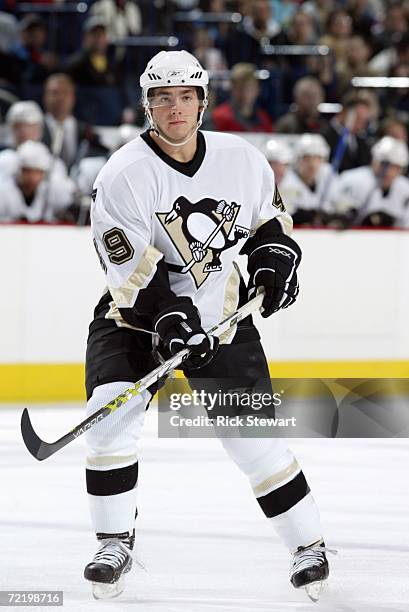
(44, 382)
(339, 369)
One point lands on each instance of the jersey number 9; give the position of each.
(117, 246)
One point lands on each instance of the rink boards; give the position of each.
(350, 319)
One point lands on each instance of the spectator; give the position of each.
(355, 115)
(365, 15)
(395, 26)
(245, 43)
(377, 195)
(283, 10)
(319, 11)
(210, 58)
(68, 138)
(218, 31)
(305, 117)
(10, 65)
(279, 156)
(37, 62)
(300, 31)
(339, 31)
(240, 113)
(391, 126)
(396, 99)
(93, 65)
(392, 57)
(33, 194)
(123, 17)
(354, 63)
(307, 189)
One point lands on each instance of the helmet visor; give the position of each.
(187, 100)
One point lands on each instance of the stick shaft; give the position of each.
(41, 449)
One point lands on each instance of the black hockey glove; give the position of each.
(179, 327)
(273, 265)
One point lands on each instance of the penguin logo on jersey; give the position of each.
(278, 201)
(200, 231)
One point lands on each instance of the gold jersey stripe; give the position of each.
(124, 296)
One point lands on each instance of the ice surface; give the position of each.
(206, 545)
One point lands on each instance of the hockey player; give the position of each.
(86, 171)
(307, 187)
(279, 155)
(377, 195)
(172, 209)
(33, 194)
(25, 122)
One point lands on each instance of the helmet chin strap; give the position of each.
(155, 128)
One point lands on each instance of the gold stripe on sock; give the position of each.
(276, 478)
(110, 460)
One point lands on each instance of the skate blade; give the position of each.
(100, 590)
(314, 590)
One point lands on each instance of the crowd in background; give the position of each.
(276, 67)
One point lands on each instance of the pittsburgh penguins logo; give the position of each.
(200, 231)
(278, 201)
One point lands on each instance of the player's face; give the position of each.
(387, 173)
(308, 167)
(174, 111)
(280, 170)
(29, 179)
(27, 131)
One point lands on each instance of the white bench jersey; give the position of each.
(358, 188)
(298, 195)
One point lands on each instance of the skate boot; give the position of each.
(309, 568)
(112, 560)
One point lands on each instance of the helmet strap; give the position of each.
(155, 128)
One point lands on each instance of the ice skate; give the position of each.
(309, 569)
(112, 560)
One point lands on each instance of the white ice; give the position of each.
(205, 543)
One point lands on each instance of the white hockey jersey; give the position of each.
(298, 195)
(9, 165)
(51, 198)
(358, 189)
(195, 215)
(85, 173)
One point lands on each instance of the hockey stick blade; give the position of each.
(37, 447)
(42, 450)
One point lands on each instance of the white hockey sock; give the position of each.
(112, 460)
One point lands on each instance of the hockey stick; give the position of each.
(42, 450)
